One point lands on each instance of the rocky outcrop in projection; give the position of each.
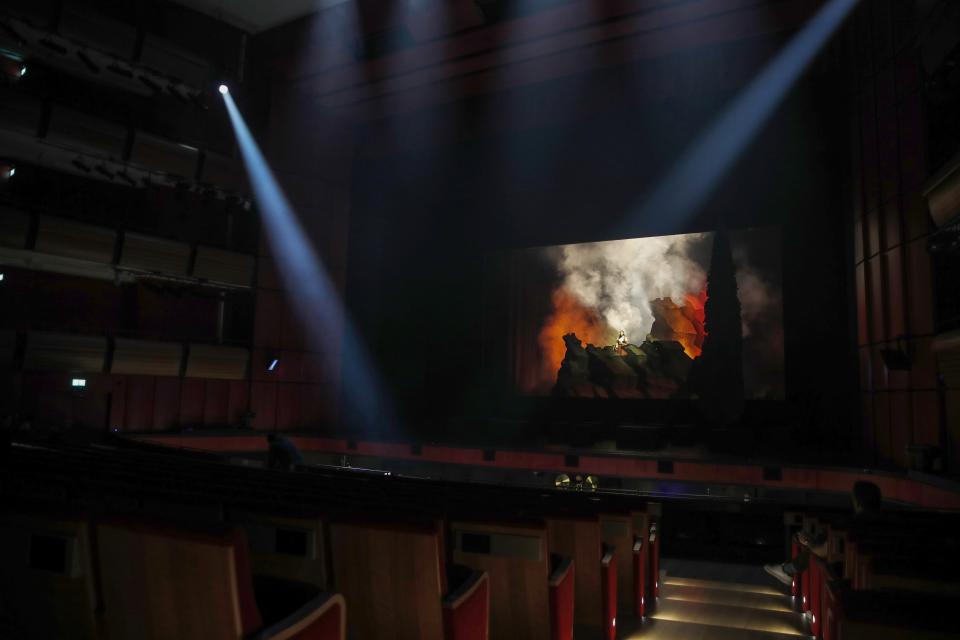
(609, 371)
(681, 323)
(654, 369)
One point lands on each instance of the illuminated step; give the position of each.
(727, 597)
(723, 586)
(672, 630)
(720, 615)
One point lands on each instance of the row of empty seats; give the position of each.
(894, 578)
(70, 575)
(361, 554)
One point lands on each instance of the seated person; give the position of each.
(867, 501)
(282, 454)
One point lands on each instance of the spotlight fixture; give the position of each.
(53, 45)
(13, 32)
(120, 70)
(562, 481)
(1, 276)
(7, 171)
(88, 62)
(23, 70)
(273, 363)
(149, 83)
(122, 175)
(223, 89)
(80, 164)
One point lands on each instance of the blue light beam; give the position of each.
(701, 167)
(315, 299)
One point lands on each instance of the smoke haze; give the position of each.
(597, 288)
(620, 278)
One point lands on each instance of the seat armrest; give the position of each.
(561, 589)
(466, 609)
(465, 589)
(607, 557)
(325, 616)
(559, 571)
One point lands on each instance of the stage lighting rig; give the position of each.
(81, 165)
(223, 89)
(122, 175)
(88, 61)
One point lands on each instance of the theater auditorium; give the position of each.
(479, 319)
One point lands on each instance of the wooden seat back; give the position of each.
(287, 547)
(47, 584)
(616, 530)
(393, 576)
(579, 538)
(883, 615)
(517, 559)
(643, 561)
(163, 581)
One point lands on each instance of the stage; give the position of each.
(688, 474)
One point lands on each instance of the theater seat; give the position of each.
(47, 586)
(580, 538)
(164, 581)
(617, 532)
(886, 615)
(531, 590)
(395, 574)
(292, 548)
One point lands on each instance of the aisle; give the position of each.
(699, 609)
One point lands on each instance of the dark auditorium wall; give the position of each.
(439, 192)
(41, 301)
(894, 281)
(310, 152)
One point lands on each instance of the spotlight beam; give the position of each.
(699, 170)
(316, 300)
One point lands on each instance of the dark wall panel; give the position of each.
(289, 406)
(140, 403)
(166, 406)
(237, 401)
(216, 409)
(192, 396)
(891, 223)
(263, 402)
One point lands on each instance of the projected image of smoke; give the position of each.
(652, 317)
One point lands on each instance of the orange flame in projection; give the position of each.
(694, 311)
(681, 323)
(570, 316)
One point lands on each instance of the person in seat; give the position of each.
(282, 454)
(867, 503)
